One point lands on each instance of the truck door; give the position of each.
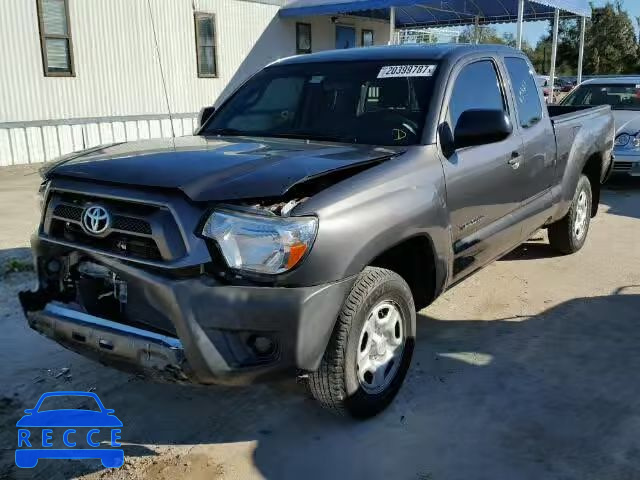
(484, 182)
(536, 131)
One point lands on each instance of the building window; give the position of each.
(206, 45)
(367, 38)
(303, 38)
(55, 38)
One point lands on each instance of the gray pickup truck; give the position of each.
(313, 213)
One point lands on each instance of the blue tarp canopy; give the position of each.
(441, 13)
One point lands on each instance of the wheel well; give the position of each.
(414, 260)
(593, 169)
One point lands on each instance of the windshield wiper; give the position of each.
(313, 136)
(225, 131)
(303, 135)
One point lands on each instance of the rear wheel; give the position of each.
(569, 234)
(371, 347)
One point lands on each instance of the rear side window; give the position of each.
(526, 92)
(477, 87)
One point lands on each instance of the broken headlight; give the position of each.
(261, 243)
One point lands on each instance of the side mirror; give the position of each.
(479, 127)
(204, 114)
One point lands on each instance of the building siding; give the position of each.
(117, 73)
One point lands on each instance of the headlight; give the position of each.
(635, 140)
(622, 140)
(261, 243)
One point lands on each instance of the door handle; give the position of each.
(514, 161)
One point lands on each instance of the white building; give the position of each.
(79, 73)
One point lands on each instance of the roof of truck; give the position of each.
(399, 52)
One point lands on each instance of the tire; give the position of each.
(380, 306)
(569, 234)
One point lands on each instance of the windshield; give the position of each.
(619, 96)
(378, 103)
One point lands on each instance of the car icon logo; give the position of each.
(96, 219)
(69, 424)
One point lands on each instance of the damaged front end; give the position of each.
(178, 290)
(85, 307)
(183, 325)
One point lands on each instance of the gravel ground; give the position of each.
(527, 370)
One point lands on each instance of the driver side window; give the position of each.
(477, 87)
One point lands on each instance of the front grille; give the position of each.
(68, 212)
(120, 222)
(622, 166)
(137, 231)
(120, 243)
(130, 224)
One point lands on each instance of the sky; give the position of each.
(532, 31)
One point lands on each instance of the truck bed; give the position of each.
(576, 127)
(563, 113)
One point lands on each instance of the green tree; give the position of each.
(611, 46)
(490, 35)
(485, 35)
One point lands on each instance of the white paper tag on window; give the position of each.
(393, 71)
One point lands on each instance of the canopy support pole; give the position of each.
(583, 28)
(519, 24)
(392, 25)
(476, 30)
(554, 52)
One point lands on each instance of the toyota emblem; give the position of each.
(96, 219)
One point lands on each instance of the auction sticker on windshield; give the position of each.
(394, 71)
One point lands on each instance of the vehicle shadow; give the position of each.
(536, 247)
(550, 396)
(531, 251)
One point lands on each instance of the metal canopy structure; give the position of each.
(447, 13)
(441, 13)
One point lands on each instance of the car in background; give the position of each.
(543, 84)
(623, 94)
(563, 84)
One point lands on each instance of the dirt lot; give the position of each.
(528, 370)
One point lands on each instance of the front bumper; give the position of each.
(216, 325)
(626, 163)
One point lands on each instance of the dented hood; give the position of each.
(217, 168)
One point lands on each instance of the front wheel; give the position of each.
(568, 234)
(371, 347)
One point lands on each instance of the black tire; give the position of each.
(336, 384)
(563, 234)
